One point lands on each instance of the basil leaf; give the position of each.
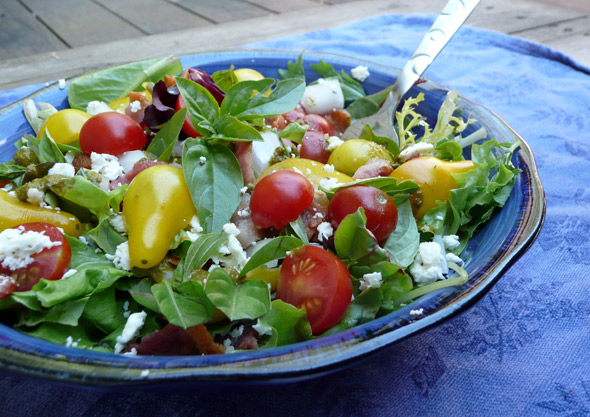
(185, 305)
(202, 107)
(276, 248)
(214, 182)
(113, 83)
(229, 128)
(82, 192)
(288, 323)
(390, 144)
(403, 242)
(142, 295)
(368, 105)
(362, 309)
(294, 70)
(247, 300)
(163, 143)
(10, 171)
(284, 98)
(352, 240)
(200, 251)
(297, 228)
(49, 151)
(225, 79)
(239, 96)
(293, 132)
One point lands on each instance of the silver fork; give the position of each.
(452, 17)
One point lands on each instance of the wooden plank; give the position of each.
(562, 31)
(154, 16)
(509, 16)
(81, 22)
(21, 34)
(282, 6)
(221, 11)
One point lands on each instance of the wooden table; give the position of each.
(60, 38)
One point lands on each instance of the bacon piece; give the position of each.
(137, 168)
(203, 340)
(376, 167)
(244, 154)
(171, 340)
(136, 113)
(339, 119)
(82, 161)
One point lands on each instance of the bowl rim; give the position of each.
(21, 354)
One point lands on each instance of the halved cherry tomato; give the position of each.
(187, 126)
(313, 146)
(317, 281)
(50, 263)
(111, 133)
(379, 208)
(319, 123)
(279, 198)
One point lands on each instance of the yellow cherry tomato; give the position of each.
(248, 74)
(354, 153)
(156, 206)
(14, 212)
(64, 126)
(314, 171)
(434, 177)
(268, 275)
(122, 103)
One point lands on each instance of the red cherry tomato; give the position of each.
(279, 198)
(112, 133)
(50, 263)
(187, 126)
(315, 280)
(320, 123)
(294, 115)
(313, 146)
(379, 208)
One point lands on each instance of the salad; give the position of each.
(169, 211)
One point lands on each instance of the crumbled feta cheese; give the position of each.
(427, 266)
(67, 170)
(325, 231)
(243, 190)
(237, 332)
(329, 168)
(360, 73)
(332, 142)
(70, 342)
(118, 222)
(135, 106)
(231, 229)
(83, 240)
(132, 352)
(35, 196)
(145, 372)
(106, 165)
(329, 183)
(451, 257)
(323, 97)
(228, 347)
(203, 159)
(244, 212)
(6, 284)
(61, 83)
(69, 273)
(96, 107)
(17, 246)
(417, 312)
(121, 257)
(451, 242)
(415, 150)
(196, 229)
(318, 215)
(262, 330)
(371, 280)
(133, 325)
(297, 170)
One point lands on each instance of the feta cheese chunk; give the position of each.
(323, 97)
(414, 150)
(263, 151)
(133, 325)
(428, 264)
(106, 165)
(17, 247)
(360, 73)
(325, 231)
(371, 280)
(95, 107)
(60, 168)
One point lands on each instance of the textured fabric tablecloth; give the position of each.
(523, 350)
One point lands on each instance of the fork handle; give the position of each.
(442, 30)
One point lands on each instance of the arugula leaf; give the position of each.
(297, 228)
(294, 70)
(276, 248)
(105, 311)
(113, 83)
(163, 143)
(288, 323)
(368, 105)
(60, 334)
(141, 293)
(66, 313)
(106, 237)
(80, 191)
(185, 305)
(214, 182)
(402, 244)
(202, 107)
(200, 251)
(247, 300)
(362, 309)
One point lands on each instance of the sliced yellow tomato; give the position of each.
(314, 171)
(122, 103)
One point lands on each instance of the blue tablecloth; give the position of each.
(523, 350)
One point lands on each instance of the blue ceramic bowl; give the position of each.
(493, 249)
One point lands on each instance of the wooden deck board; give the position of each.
(282, 6)
(223, 11)
(21, 34)
(81, 22)
(154, 16)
